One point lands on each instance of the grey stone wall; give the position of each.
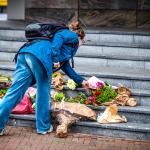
(98, 13)
(61, 11)
(143, 14)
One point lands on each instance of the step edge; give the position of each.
(111, 57)
(95, 124)
(110, 44)
(87, 74)
(116, 57)
(119, 45)
(94, 31)
(124, 109)
(114, 126)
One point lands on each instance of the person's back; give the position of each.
(63, 46)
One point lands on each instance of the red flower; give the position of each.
(97, 93)
(87, 102)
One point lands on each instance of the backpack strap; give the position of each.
(72, 45)
(72, 62)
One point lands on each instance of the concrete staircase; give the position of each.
(114, 56)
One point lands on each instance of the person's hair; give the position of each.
(76, 27)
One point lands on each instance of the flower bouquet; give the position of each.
(57, 80)
(5, 83)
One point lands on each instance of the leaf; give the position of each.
(107, 94)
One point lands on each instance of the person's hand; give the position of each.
(85, 84)
(56, 65)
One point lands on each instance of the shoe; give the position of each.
(2, 131)
(49, 131)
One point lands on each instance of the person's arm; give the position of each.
(71, 73)
(57, 43)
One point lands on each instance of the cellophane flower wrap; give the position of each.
(95, 83)
(31, 93)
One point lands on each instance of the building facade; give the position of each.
(92, 13)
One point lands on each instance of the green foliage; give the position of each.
(107, 94)
(3, 91)
(58, 97)
(80, 98)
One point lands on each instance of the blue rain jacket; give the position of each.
(59, 50)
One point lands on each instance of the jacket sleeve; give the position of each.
(56, 46)
(71, 73)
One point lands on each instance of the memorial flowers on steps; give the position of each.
(5, 83)
(100, 92)
(68, 110)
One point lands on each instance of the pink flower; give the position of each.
(95, 83)
(99, 85)
(92, 98)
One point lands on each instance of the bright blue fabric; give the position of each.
(28, 69)
(71, 73)
(58, 49)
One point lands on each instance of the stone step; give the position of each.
(123, 130)
(126, 61)
(9, 49)
(129, 130)
(119, 39)
(132, 78)
(94, 42)
(11, 44)
(13, 25)
(12, 34)
(7, 56)
(99, 51)
(86, 53)
(138, 114)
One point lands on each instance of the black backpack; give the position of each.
(42, 30)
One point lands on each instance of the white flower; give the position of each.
(71, 84)
(31, 92)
